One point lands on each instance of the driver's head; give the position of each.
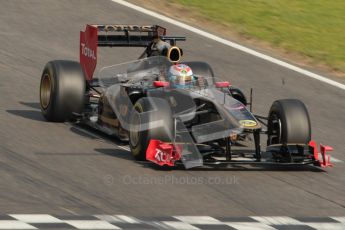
(180, 76)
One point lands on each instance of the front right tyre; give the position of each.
(288, 123)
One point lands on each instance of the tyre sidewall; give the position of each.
(295, 121)
(162, 133)
(67, 90)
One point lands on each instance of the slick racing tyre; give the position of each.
(156, 124)
(288, 123)
(62, 90)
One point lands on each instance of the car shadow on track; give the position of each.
(114, 152)
(261, 168)
(119, 153)
(33, 105)
(28, 114)
(43, 154)
(92, 133)
(120, 147)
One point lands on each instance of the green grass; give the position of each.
(314, 28)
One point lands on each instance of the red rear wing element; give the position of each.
(88, 51)
(113, 35)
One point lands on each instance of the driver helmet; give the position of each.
(181, 76)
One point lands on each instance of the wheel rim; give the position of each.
(276, 132)
(45, 90)
(134, 132)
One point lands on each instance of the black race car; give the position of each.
(206, 123)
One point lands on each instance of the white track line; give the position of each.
(231, 44)
(276, 220)
(335, 160)
(128, 219)
(91, 224)
(15, 224)
(198, 220)
(36, 218)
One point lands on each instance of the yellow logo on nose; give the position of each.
(248, 123)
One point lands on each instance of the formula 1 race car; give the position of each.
(200, 121)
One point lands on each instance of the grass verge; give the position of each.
(313, 28)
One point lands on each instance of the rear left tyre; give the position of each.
(62, 90)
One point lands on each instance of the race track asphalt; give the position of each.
(60, 168)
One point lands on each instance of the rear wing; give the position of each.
(132, 35)
(117, 36)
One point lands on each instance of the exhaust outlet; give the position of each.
(174, 54)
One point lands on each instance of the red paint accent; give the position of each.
(326, 159)
(177, 67)
(158, 84)
(238, 107)
(163, 153)
(222, 84)
(88, 51)
(313, 144)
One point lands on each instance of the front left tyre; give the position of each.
(158, 125)
(62, 90)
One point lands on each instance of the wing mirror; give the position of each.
(222, 84)
(159, 84)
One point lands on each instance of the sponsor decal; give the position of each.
(87, 52)
(163, 153)
(109, 28)
(248, 123)
(160, 156)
